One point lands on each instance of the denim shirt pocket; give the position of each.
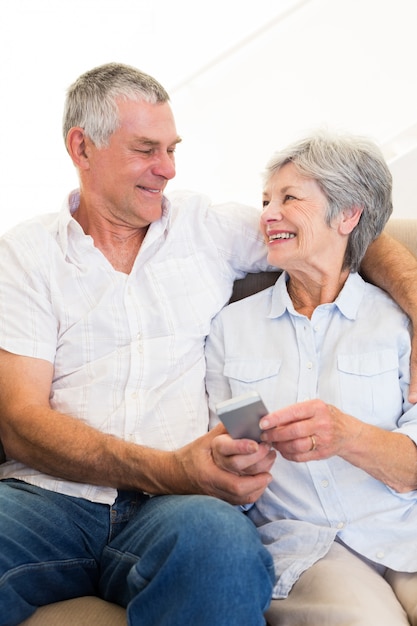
(252, 374)
(369, 386)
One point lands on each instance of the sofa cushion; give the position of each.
(88, 611)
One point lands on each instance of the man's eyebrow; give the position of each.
(150, 142)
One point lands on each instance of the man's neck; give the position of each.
(119, 244)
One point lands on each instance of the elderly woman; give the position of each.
(329, 355)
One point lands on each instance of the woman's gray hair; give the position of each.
(352, 172)
(91, 101)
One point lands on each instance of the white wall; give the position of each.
(245, 78)
(346, 64)
(401, 153)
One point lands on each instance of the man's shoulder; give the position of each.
(33, 233)
(187, 199)
(43, 222)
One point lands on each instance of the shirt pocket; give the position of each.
(246, 375)
(369, 386)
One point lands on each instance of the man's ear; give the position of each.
(349, 219)
(77, 147)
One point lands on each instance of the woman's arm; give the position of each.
(389, 265)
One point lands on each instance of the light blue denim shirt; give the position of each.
(353, 353)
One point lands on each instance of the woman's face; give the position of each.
(293, 223)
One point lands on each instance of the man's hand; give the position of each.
(242, 456)
(233, 470)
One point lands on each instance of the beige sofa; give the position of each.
(89, 611)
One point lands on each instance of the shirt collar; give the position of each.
(348, 300)
(66, 223)
(69, 227)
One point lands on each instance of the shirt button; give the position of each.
(324, 483)
(340, 525)
(309, 365)
(134, 395)
(380, 554)
(139, 340)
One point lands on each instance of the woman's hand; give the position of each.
(314, 430)
(309, 430)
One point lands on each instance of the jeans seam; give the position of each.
(122, 556)
(50, 565)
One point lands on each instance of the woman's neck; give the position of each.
(307, 293)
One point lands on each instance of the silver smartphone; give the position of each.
(241, 415)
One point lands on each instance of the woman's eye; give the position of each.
(265, 203)
(288, 197)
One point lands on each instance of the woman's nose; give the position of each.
(272, 212)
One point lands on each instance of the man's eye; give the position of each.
(265, 203)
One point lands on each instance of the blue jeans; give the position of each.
(171, 560)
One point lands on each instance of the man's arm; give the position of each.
(61, 445)
(392, 267)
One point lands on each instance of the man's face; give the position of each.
(124, 181)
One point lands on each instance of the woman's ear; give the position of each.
(349, 219)
(76, 145)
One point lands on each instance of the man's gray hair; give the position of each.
(352, 172)
(91, 101)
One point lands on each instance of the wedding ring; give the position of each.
(313, 443)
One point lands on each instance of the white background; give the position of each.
(245, 78)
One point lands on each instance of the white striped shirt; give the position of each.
(128, 350)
